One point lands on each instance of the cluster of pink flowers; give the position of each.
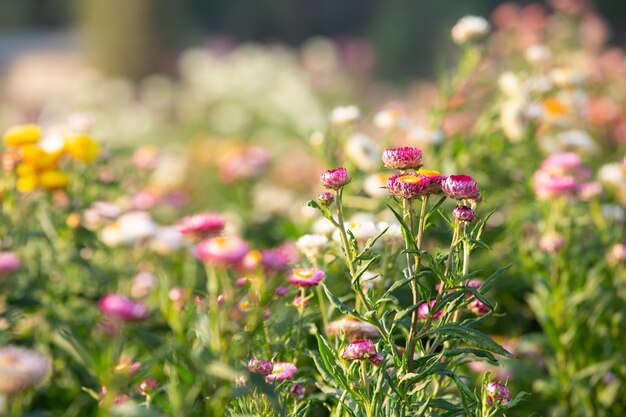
(273, 371)
(424, 309)
(561, 175)
(362, 349)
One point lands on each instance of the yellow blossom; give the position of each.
(83, 148)
(22, 135)
(27, 183)
(54, 179)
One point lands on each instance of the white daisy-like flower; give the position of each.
(344, 115)
(469, 28)
(538, 54)
(363, 152)
(21, 369)
(312, 246)
(375, 185)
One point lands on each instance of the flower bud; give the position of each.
(358, 349)
(402, 158)
(260, 366)
(459, 187)
(326, 198)
(464, 214)
(497, 393)
(335, 178)
(297, 391)
(147, 386)
(376, 359)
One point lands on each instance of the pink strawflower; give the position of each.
(203, 225)
(326, 198)
(297, 302)
(408, 186)
(464, 214)
(279, 258)
(402, 158)
(21, 369)
(547, 186)
(120, 307)
(306, 277)
(335, 178)
(297, 391)
(147, 386)
(424, 309)
(220, 299)
(9, 263)
(260, 366)
(459, 187)
(551, 242)
(561, 163)
(590, 190)
(497, 393)
(240, 282)
(280, 371)
(358, 349)
(223, 250)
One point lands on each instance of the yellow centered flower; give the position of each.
(52, 180)
(24, 170)
(304, 273)
(244, 305)
(428, 172)
(37, 157)
(277, 369)
(8, 359)
(409, 179)
(22, 135)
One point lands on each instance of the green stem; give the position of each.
(320, 298)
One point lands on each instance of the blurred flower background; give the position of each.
(155, 151)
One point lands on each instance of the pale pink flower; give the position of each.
(306, 277)
(280, 371)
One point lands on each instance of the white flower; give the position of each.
(612, 174)
(469, 28)
(538, 54)
(393, 236)
(613, 212)
(312, 246)
(371, 279)
(578, 140)
(565, 77)
(424, 136)
(539, 84)
(343, 115)
(392, 117)
(322, 226)
(512, 119)
(129, 228)
(510, 84)
(167, 240)
(143, 284)
(363, 152)
(21, 369)
(362, 231)
(375, 185)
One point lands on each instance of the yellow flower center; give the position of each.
(277, 369)
(428, 172)
(304, 273)
(8, 359)
(554, 107)
(244, 304)
(409, 179)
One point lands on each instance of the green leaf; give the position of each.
(338, 304)
(493, 278)
(470, 336)
(406, 231)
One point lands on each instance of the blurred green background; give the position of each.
(136, 38)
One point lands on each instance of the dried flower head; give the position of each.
(459, 187)
(464, 214)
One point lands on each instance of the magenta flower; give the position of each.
(408, 186)
(9, 263)
(203, 225)
(376, 359)
(358, 349)
(326, 198)
(280, 371)
(547, 186)
(459, 187)
(260, 366)
(424, 309)
(464, 214)
(279, 258)
(402, 158)
(335, 178)
(497, 392)
(297, 391)
(281, 291)
(306, 277)
(120, 307)
(223, 250)
(476, 306)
